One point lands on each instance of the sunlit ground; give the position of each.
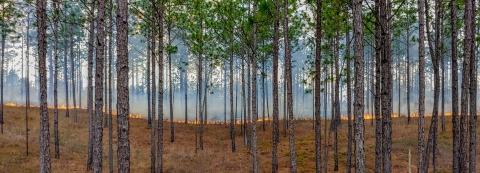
(180, 156)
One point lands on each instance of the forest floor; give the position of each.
(180, 156)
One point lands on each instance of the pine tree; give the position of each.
(44, 140)
(123, 107)
(358, 102)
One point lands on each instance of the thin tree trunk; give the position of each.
(110, 57)
(318, 69)
(275, 115)
(73, 76)
(123, 107)
(153, 153)
(378, 87)
(45, 166)
(148, 75)
(90, 88)
(254, 93)
(454, 66)
(349, 102)
(421, 78)
(263, 94)
(27, 84)
(160, 16)
(443, 92)
(288, 77)
(337, 99)
(65, 75)
(434, 52)
(232, 120)
(358, 102)
(468, 40)
(98, 128)
(170, 88)
(408, 74)
(473, 92)
(55, 79)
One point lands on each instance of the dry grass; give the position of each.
(180, 156)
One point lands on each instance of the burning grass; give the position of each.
(180, 156)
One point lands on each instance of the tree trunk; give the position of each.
(337, 99)
(55, 79)
(244, 105)
(123, 107)
(317, 91)
(387, 85)
(275, 115)
(148, 75)
(110, 57)
(466, 85)
(288, 77)
(443, 91)
(1, 78)
(263, 75)
(170, 88)
(378, 87)
(254, 93)
(65, 75)
(90, 88)
(160, 87)
(98, 128)
(73, 76)
(232, 120)
(186, 90)
(349, 101)
(249, 104)
(473, 92)
(27, 84)
(421, 78)
(153, 153)
(454, 66)
(45, 166)
(358, 102)
(434, 52)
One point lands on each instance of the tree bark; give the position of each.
(358, 102)
(454, 66)
(170, 89)
(45, 166)
(467, 56)
(90, 87)
(254, 92)
(110, 57)
(160, 16)
(349, 101)
(421, 78)
(153, 153)
(27, 83)
(387, 85)
(473, 92)
(288, 77)
(73, 76)
(97, 119)
(275, 115)
(232, 120)
(378, 87)
(55, 79)
(65, 75)
(317, 91)
(123, 107)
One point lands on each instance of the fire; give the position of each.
(135, 116)
(139, 116)
(11, 105)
